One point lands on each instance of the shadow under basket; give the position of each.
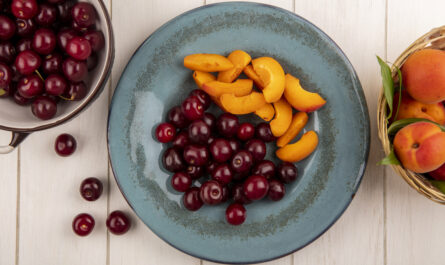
(434, 39)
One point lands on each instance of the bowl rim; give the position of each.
(104, 74)
(361, 95)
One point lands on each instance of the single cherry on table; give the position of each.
(65, 144)
(83, 224)
(118, 223)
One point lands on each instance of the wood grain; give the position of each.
(358, 28)
(414, 223)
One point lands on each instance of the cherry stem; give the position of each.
(38, 73)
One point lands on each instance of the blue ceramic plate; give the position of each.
(155, 80)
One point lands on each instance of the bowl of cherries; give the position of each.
(55, 58)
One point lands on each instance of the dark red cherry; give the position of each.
(177, 118)
(64, 36)
(181, 140)
(24, 9)
(7, 27)
(65, 144)
(84, 14)
(241, 162)
(64, 9)
(55, 84)
(227, 125)
(196, 155)
(210, 120)
(76, 91)
(192, 108)
(23, 45)
(235, 214)
(238, 194)
(165, 132)
(91, 189)
(25, 27)
(118, 223)
(52, 64)
(30, 86)
(172, 160)
(19, 100)
(44, 107)
(223, 174)
(181, 181)
(287, 172)
(202, 96)
(79, 48)
(264, 132)
(220, 150)
(211, 192)
(255, 187)
(83, 224)
(7, 52)
(75, 71)
(195, 172)
(44, 41)
(245, 131)
(276, 190)
(257, 148)
(5, 75)
(265, 168)
(235, 145)
(27, 62)
(47, 15)
(198, 132)
(191, 199)
(96, 39)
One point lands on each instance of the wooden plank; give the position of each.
(8, 202)
(140, 245)
(358, 28)
(414, 234)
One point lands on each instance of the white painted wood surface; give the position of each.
(387, 222)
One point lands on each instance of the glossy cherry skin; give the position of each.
(24, 9)
(96, 39)
(84, 14)
(238, 194)
(181, 140)
(7, 28)
(235, 214)
(181, 181)
(227, 124)
(64, 9)
(52, 64)
(47, 15)
(257, 148)
(264, 132)
(245, 131)
(55, 84)
(44, 41)
(191, 199)
(25, 27)
(27, 62)
(235, 145)
(223, 174)
(172, 160)
(265, 168)
(241, 162)
(30, 86)
(196, 155)
(65, 145)
(195, 172)
(7, 52)
(76, 91)
(79, 48)
(83, 224)
(23, 45)
(91, 189)
(220, 150)
(5, 75)
(192, 108)
(73, 70)
(44, 107)
(211, 192)
(210, 120)
(198, 132)
(19, 100)
(165, 132)
(118, 223)
(255, 187)
(64, 36)
(276, 190)
(177, 118)
(202, 96)
(211, 165)
(287, 172)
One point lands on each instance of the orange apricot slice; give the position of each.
(266, 112)
(300, 150)
(283, 117)
(240, 87)
(239, 59)
(242, 105)
(298, 122)
(202, 77)
(207, 62)
(299, 98)
(272, 76)
(248, 70)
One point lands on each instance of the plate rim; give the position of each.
(358, 90)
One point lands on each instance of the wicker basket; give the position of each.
(433, 39)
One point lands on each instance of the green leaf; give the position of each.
(388, 84)
(390, 159)
(397, 125)
(440, 185)
(399, 73)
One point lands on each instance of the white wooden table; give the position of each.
(387, 222)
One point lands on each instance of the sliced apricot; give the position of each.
(202, 77)
(248, 70)
(240, 87)
(299, 98)
(266, 112)
(298, 122)
(283, 117)
(207, 62)
(239, 59)
(242, 105)
(300, 150)
(272, 75)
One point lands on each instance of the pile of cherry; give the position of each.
(46, 51)
(227, 156)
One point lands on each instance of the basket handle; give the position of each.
(16, 139)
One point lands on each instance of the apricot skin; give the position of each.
(242, 105)
(420, 147)
(272, 76)
(248, 70)
(300, 150)
(266, 112)
(283, 117)
(240, 87)
(202, 77)
(298, 122)
(410, 108)
(239, 59)
(300, 98)
(207, 62)
(423, 75)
